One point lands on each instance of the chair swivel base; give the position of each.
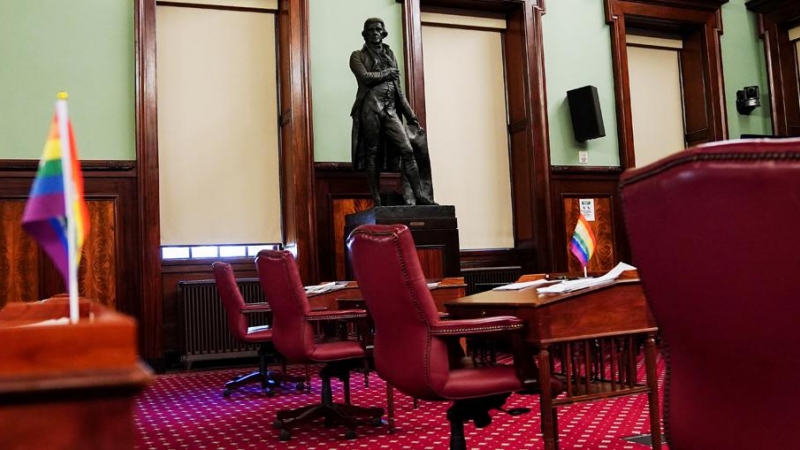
(336, 413)
(268, 380)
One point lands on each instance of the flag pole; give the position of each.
(585, 273)
(69, 198)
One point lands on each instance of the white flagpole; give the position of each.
(69, 196)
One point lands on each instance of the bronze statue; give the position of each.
(380, 142)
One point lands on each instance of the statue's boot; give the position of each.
(412, 174)
(373, 178)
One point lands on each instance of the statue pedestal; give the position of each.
(435, 232)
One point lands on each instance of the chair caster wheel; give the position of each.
(300, 386)
(376, 422)
(226, 393)
(285, 435)
(278, 424)
(270, 393)
(350, 434)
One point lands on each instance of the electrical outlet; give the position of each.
(583, 157)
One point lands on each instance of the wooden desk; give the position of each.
(68, 386)
(594, 333)
(448, 289)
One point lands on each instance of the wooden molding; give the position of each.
(698, 23)
(529, 146)
(776, 17)
(147, 178)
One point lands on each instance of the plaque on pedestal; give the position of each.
(435, 232)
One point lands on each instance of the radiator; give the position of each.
(484, 278)
(204, 326)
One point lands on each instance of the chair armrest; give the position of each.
(339, 314)
(486, 325)
(256, 307)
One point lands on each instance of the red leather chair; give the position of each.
(714, 234)
(236, 310)
(294, 324)
(417, 352)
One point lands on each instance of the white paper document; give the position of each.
(583, 283)
(523, 285)
(324, 287)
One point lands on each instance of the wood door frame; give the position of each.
(296, 158)
(529, 152)
(699, 24)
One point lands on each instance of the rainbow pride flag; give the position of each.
(583, 241)
(56, 215)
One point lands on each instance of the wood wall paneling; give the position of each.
(108, 273)
(340, 209)
(601, 184)
(432, 260)
(604, 257)
(19, 256)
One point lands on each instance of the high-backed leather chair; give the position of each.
(417, 352)
(714, 234)
(236, 310)
(294, 324)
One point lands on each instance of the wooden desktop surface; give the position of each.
(447, 289)
(614, 310)
(68, 386)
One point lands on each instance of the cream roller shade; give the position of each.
(465, 102)
(794, 33)
(656, 103)
(797, 50)
(217, 127)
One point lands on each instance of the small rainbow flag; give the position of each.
(56, 215)
(583, 241)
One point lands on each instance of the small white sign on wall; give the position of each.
(587, 208)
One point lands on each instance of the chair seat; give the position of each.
(338, 350)
(480, 382)
(258, 334)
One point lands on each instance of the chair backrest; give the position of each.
(231, 297)
(713, 232)
(391, 280)
(292, 335)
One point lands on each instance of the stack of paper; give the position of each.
(523, 285)
(583, 283)
(324, 287)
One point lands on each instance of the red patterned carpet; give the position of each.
(187, 411)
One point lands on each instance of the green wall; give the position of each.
(84, 47)
(577, 52)
(743, 64)
(334, 32)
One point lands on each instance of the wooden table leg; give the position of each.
(390, 406)
(652, 383)
(546, 400)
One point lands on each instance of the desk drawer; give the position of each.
(476, 312)
(351, 303)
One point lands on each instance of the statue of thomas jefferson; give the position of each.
(380, 142)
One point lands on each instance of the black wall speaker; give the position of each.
(584, 109)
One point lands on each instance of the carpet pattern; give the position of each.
(187, 411)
